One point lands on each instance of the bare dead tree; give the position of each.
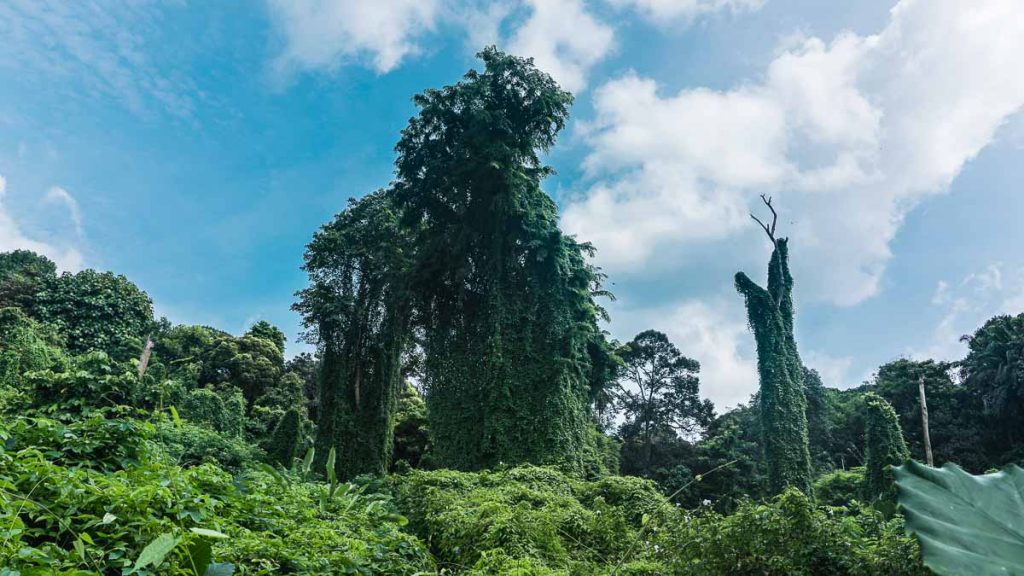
(769, 230)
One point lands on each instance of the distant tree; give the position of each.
(268, 331)
(251, 363)
(730, 461)
(505, 299)
(783, 406)
(994, 372)
(884, 448)
(22, 275)
(956, 421)
(96, 311)
(658, 393)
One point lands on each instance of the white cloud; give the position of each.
(62, 196)
(672, 11)
(712, 332)
(13, 238)
(834, 370)
(100, 44)
(564, 40)
(324, 34)
(850, 134)
(966, 305)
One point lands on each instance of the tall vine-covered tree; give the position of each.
(505, 300)
(357, 311)
(884, 448)
(783, 405)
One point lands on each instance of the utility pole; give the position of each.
(924, 422)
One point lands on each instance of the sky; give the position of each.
(196, 146)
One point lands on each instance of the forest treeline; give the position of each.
(464, 410)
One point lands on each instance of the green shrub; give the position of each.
(788, 536)
(92, 381)
(191, 445)
(523, 519)
(884, 448)
(60, 511)
(222, 411)
(840, 488)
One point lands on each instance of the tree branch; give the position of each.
(769, 230)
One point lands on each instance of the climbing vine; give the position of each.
(357, 311)
(884, 447)
(783, 406)
(504, 299)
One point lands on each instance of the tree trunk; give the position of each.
(924, 423)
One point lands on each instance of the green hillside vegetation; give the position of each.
(461, 409)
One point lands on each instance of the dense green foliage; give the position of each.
(994, 372)
(95, 311)
(782, 401)
(884, 448)
(357, 309)
(457, 347)
(955, 412)
(504, 299)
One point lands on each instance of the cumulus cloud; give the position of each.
(325, 34)
(673, 11)
(851, 134)
(13, 238)
(564, 39)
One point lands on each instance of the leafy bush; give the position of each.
(69, 500)
(221, 411)
(788, 536)
(191, 445)
(841, 487)
(527, 520)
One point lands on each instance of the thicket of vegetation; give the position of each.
(463, 412)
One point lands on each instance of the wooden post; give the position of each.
(924, 422)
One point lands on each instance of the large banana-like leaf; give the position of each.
(965, 524)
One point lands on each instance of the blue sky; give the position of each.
(196, 146)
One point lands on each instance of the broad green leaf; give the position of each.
(221, 569)
(966, 524)
(209, 533)
(153, 554)
(200, 553)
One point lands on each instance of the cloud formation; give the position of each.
(967, 304)
(326, 34)
(102, 45)
(566, 37)
(850, 134)
(13, 238)
(673, 11)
